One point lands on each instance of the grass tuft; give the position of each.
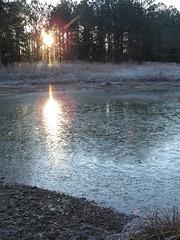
(161, 225)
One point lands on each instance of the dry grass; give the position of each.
(68, 72)
(90, 72)
(157, 226)
(77, 67)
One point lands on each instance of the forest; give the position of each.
(94, 31)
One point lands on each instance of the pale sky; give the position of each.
(174, 3)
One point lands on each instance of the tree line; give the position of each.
(101, 30)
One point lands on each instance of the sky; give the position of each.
(168, 3)
(174, 3)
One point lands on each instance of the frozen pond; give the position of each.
(119, 148)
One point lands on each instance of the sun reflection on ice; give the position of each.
(52, 115)
(57, 117)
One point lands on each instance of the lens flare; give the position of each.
(71, 22)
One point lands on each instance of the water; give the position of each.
(118, 148)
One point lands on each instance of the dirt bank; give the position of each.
(31, 213)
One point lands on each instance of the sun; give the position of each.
(48, 39)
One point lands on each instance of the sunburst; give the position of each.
(48, 39)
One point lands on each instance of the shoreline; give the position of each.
(32, 213)
(148, 86)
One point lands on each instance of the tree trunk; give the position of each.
(0, 32)
(121, 44)
(0, 45)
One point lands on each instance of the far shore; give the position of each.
(34, 77)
